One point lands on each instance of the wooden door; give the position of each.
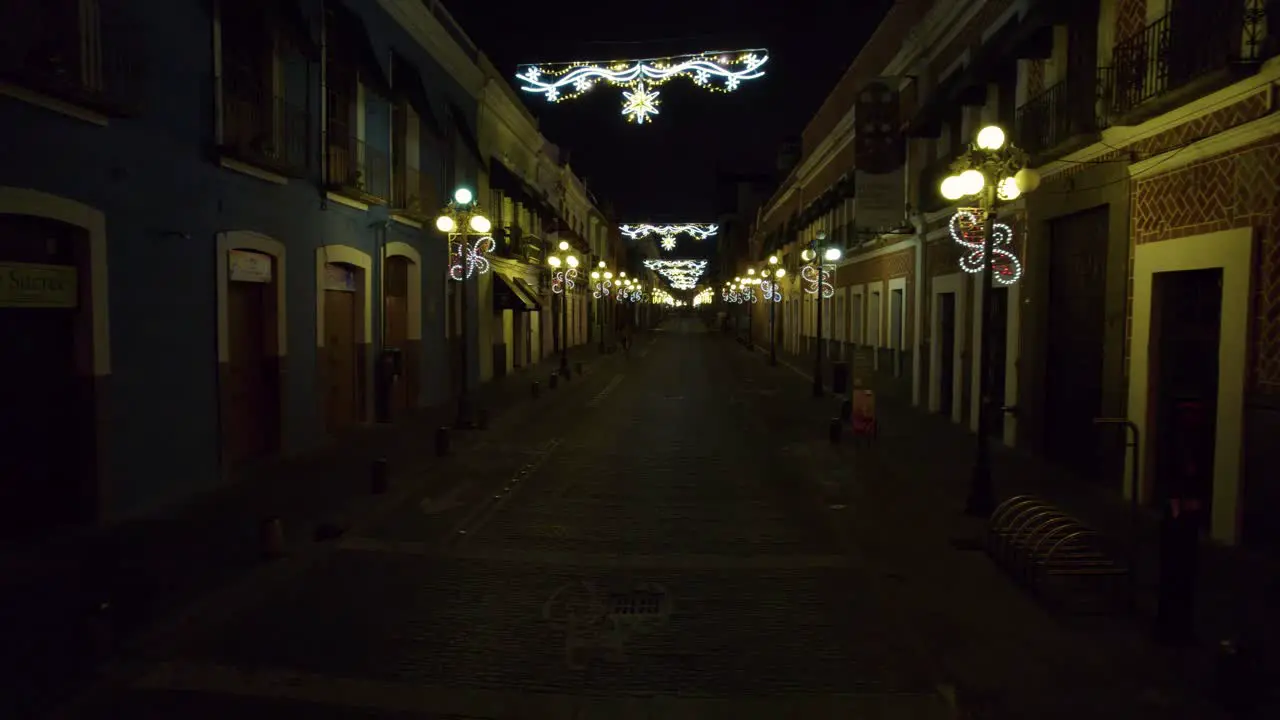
(1184, 378)
(396, 331)
(252, 412)
(44, 427)
(946, 352)
(343, 401)
(1076, 316)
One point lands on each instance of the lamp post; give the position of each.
(818, 274)
(601, 279)
(459, 221)
(990, 171)
(773, 295)
(564, 270)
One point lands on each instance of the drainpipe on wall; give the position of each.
(918, 224)
(324, 109)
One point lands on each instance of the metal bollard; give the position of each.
(379, 477)
(442, 441)
(834, 428)
(553, 381)
(535, 389)
(271, 538)
(846, 410)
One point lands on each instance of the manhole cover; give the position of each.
(639, 602)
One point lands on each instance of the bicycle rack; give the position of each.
(1055, 556)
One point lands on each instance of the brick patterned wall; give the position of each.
(1131, 18)
(1237, 189)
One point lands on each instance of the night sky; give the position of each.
(665, 170)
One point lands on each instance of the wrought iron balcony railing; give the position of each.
(72, 51)
(414, 194)
(355, 168)
(1172, 52)
(261, 128)
(1071, 108)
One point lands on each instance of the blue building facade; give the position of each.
(215, 232)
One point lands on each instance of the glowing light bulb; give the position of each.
(553, 261)
(564, 245)
(573, 261)
(952, 188)
(973, 181)
(1008, 189)
(480, 223)
(991, 137)
(462, 196)
(445, 224)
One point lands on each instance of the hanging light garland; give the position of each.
(704, 297)
(967, 229)
(720, 71)
(467, 260)
(770, 290)
(815, 279)
(668, 232)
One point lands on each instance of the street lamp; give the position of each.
(602, 281)
(991, 171)
(461, 220)
(773, 295)
(817, 274)
(564, 269)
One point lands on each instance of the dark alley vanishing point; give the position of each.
(676, 539)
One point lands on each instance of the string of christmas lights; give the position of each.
(562, 280)
(719, 71)
(770, 290)
(682, 274)
(813, 280)
(705, 296)
(668, 232)
(467, 260)
(967, 229)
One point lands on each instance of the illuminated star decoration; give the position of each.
(810, 274)
(770, 291)
(562, 280)
(669, 231)
(682, 274)
(720, 71)
(467, 260)
(640, 104)
(967, 230)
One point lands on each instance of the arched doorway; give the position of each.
(343, 334)
(47, 428)
(251, 345)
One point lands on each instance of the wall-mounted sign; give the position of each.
(37, 286)
(246, 266)
(339, 277)
(879, 147)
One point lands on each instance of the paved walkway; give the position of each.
(1239, 591)
(147, 570)
(644, 552)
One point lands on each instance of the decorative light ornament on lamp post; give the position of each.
(772, 290)
(602, 281)
(459, 221)
(817, 276)
(564, 270)
(991, 171)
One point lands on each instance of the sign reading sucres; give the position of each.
(37, 286)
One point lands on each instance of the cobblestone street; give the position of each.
(648, 550)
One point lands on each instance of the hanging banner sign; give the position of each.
(879, 153)
(246, 266)
(28, 285)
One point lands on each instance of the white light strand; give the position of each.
(601, 290)
(704, 297)
(467, 260)
(967, 229)
(682, 274)
(562, 280)
(716, 71)
(810, 275)
(771, 291)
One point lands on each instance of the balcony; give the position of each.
(261, 128)
(357, 170)
(1067, 114)
(1176, 58)
(68, 51)
(414, 194)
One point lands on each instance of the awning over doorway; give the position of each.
(510, 294)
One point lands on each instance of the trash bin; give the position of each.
(839, 377)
